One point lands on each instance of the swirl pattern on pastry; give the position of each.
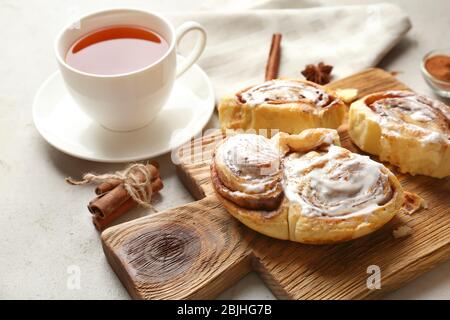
(422, 117)
(286, 91)
(314, 192)
(246, 170)
(335, 183)
(287, 105)
(411, 131)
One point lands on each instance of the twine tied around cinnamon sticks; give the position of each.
(121, 191)
(136, 187)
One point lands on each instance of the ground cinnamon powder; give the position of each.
(439, 67)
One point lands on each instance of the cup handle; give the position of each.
(198, 47)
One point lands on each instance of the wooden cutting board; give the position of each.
(198, 250)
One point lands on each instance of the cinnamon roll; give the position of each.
(246, 174)
(314, 192)
(336, 195)
(286, 105)
(408, 130)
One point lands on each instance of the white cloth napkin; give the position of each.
(351, 38)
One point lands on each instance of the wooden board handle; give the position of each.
(190, 252)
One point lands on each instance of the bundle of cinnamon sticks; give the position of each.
(113, 200)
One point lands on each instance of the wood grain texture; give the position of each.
(191, 252)
(198, 250)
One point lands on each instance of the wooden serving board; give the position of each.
(198, 250)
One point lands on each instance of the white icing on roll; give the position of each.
(285, 91)
(328, 138)
(424, 118)
(335, 184)
(251, 157)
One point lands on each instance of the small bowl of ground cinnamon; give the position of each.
(436, 71)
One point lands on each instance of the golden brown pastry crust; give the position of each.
(408, 130)
(246, 170)
(246, 175)
(298, 219)
(350, 211)
(267, 201)
(285, 105)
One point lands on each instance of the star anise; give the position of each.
(320, 74)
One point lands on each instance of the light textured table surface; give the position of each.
(44, 226)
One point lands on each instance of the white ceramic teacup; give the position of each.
(131, 100)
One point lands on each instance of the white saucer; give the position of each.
(60, 121)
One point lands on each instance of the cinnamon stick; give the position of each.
(111, 184)
(106, 186)
(155, 164)
(101, 223)
(108, 202)
(273, 62)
